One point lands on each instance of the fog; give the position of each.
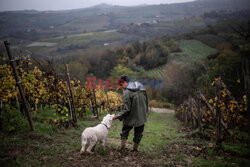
(7, 5)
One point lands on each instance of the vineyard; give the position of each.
(66, 99)
(156, 72)
(191, 50)
(221, 117)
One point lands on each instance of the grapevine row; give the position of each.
(199, 110)
(41, 89)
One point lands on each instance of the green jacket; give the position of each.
(135, 105)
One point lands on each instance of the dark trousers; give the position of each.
(137, 133)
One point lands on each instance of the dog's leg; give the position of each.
(82, 150)
(103, 144)
(84, 142)
(91, 145)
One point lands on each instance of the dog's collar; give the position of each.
(105, 125)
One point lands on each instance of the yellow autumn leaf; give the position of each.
(238, 80)
(224, 93)
(223, 108)
(245, 98)
(210, 101)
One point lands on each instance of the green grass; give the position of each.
(192, 50)
(236, 148)
(222, 162)
(157, 129)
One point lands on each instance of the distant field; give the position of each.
(84, 39)
(48, 44)
(192, 50)
(71, 43)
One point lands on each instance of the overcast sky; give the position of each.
(73, 4)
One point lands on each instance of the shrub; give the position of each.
(13, 120)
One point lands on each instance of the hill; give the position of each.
(34, 25)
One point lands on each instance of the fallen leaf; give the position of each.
(198, 148)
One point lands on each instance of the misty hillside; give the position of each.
(37, 25)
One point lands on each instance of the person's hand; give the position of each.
(114, 118)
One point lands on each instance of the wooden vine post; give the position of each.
(95, 106)
(199, 108)
(20, 88)
(71, 94)
(1, 106)
(191, 111)
(106, 92)
(70, 109)
(185, 115)
(218, 115)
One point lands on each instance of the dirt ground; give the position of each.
(181, 147)
(112, 157)
(161, 110)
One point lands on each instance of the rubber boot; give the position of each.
(135, 148)
(123, 144)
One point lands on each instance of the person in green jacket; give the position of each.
(134, 111)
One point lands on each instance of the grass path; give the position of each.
(166, 142)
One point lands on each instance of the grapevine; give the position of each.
(41, 89)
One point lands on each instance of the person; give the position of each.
(134, 110)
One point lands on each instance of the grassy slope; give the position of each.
(192, 50)
(165, 142)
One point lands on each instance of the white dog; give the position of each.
(98, 133)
